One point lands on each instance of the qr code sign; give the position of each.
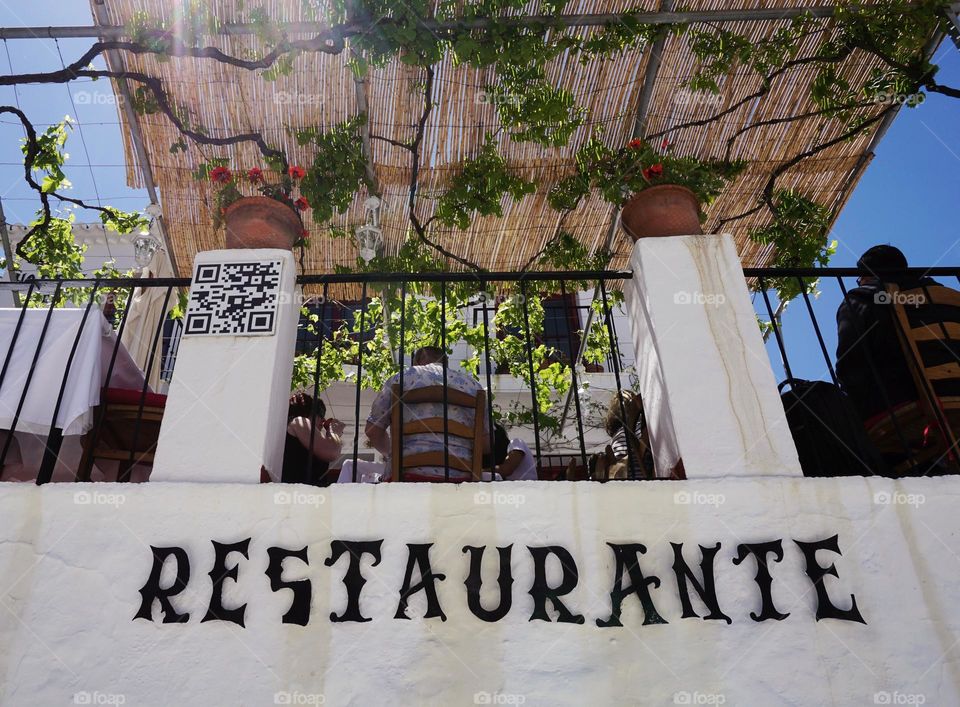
(233, 299)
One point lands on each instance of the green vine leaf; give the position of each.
(479, 188)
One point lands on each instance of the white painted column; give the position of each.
(227, 405)
(708, 390)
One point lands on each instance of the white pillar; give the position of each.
(227, 406)
(708, 390)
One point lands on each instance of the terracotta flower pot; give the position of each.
(261, 222)
(663, 210)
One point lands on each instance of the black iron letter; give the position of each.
(826, 609)
(353, 580)
(627, 558)
(152, 589)
(419, 556)
(541, 591)
(763, 578)
(220, 572)
(474, 581)
(707, 591)
(299, 612)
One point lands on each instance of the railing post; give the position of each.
(708, 390)
(226, 411)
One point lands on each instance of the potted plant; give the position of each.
(660, 194)
(268, 215)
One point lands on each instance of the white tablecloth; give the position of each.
(87, 371)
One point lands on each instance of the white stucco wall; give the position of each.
(74, 557)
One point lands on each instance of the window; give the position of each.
(331, 316)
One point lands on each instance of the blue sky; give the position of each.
(908, 196)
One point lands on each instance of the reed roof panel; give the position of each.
(321, 92)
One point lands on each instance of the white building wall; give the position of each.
(74, 559)
(102, 246)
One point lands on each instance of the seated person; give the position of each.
(514, 460)
(426, 371)
(326, 442)
(868, 348)
(631, 454)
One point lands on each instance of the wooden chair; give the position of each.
(931, 345)
(116, 426)
(434, 425)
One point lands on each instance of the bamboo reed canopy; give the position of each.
(321, 92)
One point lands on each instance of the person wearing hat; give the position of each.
(871, 367)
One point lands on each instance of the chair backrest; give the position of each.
(435, 425)
(928, 325)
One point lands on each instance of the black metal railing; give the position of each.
(852, 339)
(801, 340)
(35, 392)
(561, 334)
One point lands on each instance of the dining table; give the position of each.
(54, 362)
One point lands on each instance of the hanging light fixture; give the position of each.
(369, 236)
(145, 245)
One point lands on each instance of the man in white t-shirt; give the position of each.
(515, 460)
(426, 371)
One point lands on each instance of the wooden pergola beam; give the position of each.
(348, 30)
(639, 130)
(136, 137)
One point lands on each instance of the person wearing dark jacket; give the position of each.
(871, 366)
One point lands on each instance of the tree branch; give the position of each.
(30, 156)
(767, 85)
(935, 87)
(414, 147)
(395, 143)
(767, 199)
(327, 43)
(788, 119)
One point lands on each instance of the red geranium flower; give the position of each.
(302, 203)
(255, 175)
(297, 172)
(635, 144)
(653, 171)
(665, 145)
(220, 175)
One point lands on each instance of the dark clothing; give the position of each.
(296, 460)
(869, 354)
